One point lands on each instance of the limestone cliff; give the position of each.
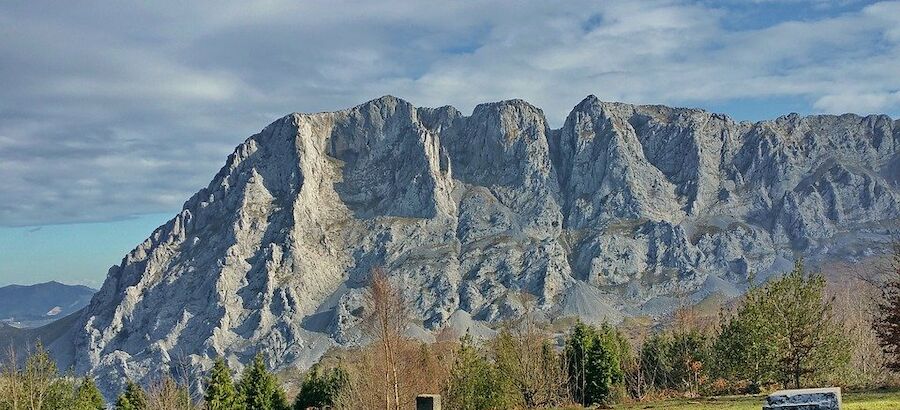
(622, 211)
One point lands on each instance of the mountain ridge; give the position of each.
(622, 210)
(40, 303)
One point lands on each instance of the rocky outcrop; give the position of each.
(481, 218)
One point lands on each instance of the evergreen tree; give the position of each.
(593, 363)
(88, 397)
(474, 383)
(259, 388)
(579, 342)
(321, 388)
(784, 331)
(655, 363)
(123, 403)
(60, 395)
(221, 393)
(887, 318)
(132, 398)
(808, 341)
(742, 350)
(688, 353)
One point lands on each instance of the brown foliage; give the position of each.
(387, 323)
(887, 323)
(391, 371)
(166, 394)
(422, 368)
(855, 303)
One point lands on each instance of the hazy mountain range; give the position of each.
(625, 210)
(36, 305)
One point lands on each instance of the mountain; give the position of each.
(35, 305)
(624, 210)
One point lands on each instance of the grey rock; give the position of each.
(828, 398)
(480, 219)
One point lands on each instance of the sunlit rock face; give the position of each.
(624, 210)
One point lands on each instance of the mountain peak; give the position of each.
(624, 207)
(385, 100)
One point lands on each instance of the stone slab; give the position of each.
(828, 398)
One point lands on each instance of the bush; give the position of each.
(321, 388)
(474, 382)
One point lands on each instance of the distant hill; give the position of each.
(37, 305)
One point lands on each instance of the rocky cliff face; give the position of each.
(623, 210)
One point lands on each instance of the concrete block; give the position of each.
(428, 402)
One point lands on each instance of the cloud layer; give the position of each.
(111, 110)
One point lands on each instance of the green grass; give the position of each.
(870, 400)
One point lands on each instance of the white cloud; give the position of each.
(114, 109)
(864, 103)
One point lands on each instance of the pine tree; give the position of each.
(784, 331)
(221, 393)
(887, 319)
(132, 398)
(593, 363)
(88, 397)
(474, 383)
(321, 388)
(259, 388)
(123, 403)
(808, 341)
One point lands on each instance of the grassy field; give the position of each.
(872, 400)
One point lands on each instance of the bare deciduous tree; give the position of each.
(388, 321)
(166, 394)
(523, 353)
(38, 377)
(855, 304)
(887, 322)
(11, 381)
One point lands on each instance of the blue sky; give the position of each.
(112, 114)
(70, 253)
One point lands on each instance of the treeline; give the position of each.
(791, 332)
(38, 385)
(258, 388)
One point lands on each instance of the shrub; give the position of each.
(474, 382)
(321, 388)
